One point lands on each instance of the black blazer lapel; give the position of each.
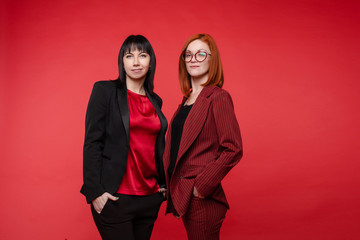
(124, 109)
(160, 141)
(158, 112)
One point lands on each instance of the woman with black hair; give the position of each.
(124, 142)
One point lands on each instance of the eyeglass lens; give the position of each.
(199, 56)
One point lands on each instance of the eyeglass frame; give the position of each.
(194, 55)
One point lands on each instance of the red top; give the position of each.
(140, 175)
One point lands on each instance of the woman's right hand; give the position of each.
(99, 202)
(197, 194)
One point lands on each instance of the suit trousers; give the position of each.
(129, 218)
(204, 218)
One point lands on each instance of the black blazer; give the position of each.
(106, 143)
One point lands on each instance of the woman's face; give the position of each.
(194, 67)
(136, 64)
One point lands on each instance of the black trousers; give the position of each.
(129, 218)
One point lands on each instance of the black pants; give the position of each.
(129, 218)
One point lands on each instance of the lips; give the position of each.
(194, 66)
(136, 70)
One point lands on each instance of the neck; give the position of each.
(135, 86)
(197, 83)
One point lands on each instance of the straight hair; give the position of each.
(216, 75)
(137, 42)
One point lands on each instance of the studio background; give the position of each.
(291, 67)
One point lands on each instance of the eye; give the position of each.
(202, 54)
(143, 55)
(128, 56)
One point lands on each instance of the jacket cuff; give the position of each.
(91, 193)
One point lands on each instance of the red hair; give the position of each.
(216, 75)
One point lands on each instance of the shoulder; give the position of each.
(105, 84)
(219, 93)
(105, 87)
(103, 90)
(221, 98)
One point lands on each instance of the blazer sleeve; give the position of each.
(94, 143)
(230, 144)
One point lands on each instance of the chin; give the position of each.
(138, 77)
(197, 75)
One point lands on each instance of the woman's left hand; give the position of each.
(197, 194)
(163, 191)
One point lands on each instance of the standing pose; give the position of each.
(124, 178)
(203, 142)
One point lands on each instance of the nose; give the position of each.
(193, 59)
(136, 61)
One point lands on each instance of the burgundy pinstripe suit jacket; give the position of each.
(210, 146)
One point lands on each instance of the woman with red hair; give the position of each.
(203, 142)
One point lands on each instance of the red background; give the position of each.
(292, 68)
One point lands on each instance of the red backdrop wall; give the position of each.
(292, 68)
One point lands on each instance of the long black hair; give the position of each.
(140, 43)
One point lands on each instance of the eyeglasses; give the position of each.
(200, 56)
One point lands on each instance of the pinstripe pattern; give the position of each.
(203, 219)
(210, 146)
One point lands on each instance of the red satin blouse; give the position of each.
(140, 175)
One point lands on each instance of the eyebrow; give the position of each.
(197, 50)
(140, 52)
